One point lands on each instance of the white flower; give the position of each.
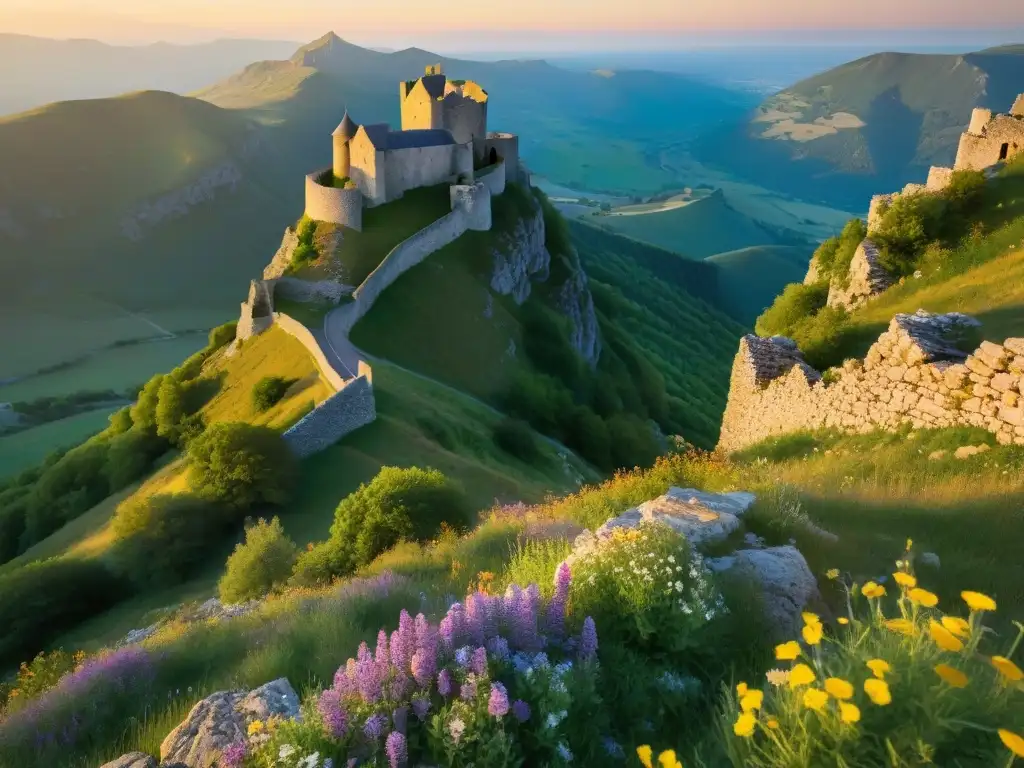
(671, 558)
(310, 761)
(679, 568)
(564, 753)
(456, 728)
(551, 721)
(286, 751)
(679, 586)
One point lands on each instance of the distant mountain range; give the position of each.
(44, 70)
(871, 125)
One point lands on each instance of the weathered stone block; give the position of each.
(995, 356)
(912, 375)
(1014, 416)
(1015, 345)
(972, 405)
(132, 760)
(896, 372)
(980, 390)
(1010, 399)
(979, 366)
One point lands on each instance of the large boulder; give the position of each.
(222, 719)
(703, 518)
(132, 760)
(785, 583)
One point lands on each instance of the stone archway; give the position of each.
(1004, 151)
(492, 157)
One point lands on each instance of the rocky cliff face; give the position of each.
(577, 303)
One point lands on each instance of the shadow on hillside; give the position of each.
(202, 391)
(892, 132)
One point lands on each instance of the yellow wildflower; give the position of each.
(872, 590)
(1013, 742)
(644, 753)
(956, 625)
(843, 620)
(1007, 669)
(256, 726)
(815, 699)
(744, 725)
(849, 713)
(839, 688)
(812, 634)
(667, 759)
(923, 597)
(903, 626)
(810, 619)
(801, 674)
(772, 724)
(977, 601)
(910, 543)
(943, 638)
(787, 651)
(752, 701)
(832, 574)
(905, 579)
(878, 691)
(741, 690)
(951, 675)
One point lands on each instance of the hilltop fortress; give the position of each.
(444, 139)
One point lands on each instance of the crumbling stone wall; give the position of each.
(1001, 138)
(1018, 107)
(911, 375)
(867, 278)
(344, 412)
(257, 313)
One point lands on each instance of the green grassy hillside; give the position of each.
(902, 112)
(749, 278)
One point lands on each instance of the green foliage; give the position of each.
(306, 251)
(263, 561)
(516, 438)
(72, 485)
(44, 598)
(904, 231)
(835, 254)
(241, 465)
(35, 677)
(143, 413)
(221, 336)
(411, 504)
(129, 457)
(161, 539)
(268, 391)
(171, 409)
(120, 421)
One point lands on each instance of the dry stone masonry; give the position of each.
(912, 375)
(867, 278)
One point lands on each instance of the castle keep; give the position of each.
(444, 139)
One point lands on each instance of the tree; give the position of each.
(171, 409)
(120, 421)
(143, 413)
(265, 559)
(241, 465)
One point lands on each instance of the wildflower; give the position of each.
(787, 651)
(468, 690)
(520, 710)
(951, 675)
(810, 619)
(812, 634)
(801, 674)
(479, 661)
(943, 638)
(497, 704)
(564, 752)
(977, 601)
(772, 723)
(923, 597)
(286, 751)
(420, 707)
(815, 699)
(839, 688)
(878, 691)
(956, 625)
(588, 640)
(832, 574)
(444, 683)
(751, 701)
(233, 756)
(843, 620)
(878, 668)
(903, 626)
(910, 543)
(332, 713)
(644, 753)
(667, 759)
(1013, 742)
(374, 727)
(744, 726)
(456, 727)
(424, 662)
(777, 677)
(872, 590)
(849, 713)
(309, 761)
(612, 748)
(255, 727)
(741, 690)
(1007, 668)
(397, 749)
(905, 580)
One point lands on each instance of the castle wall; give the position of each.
(421, 111)
(337, 206)
(463, 162)
(979, 119)
(474, 203)
(1018, 107)
(464, 117)
(978, 152)
(407, 169)
(364, 163)
(257, 311)
(302, 334)
(911, 375)
(352, 407)
(507, 147)
(938, 178)
(317, 291)
(867, 278)
(494, 179)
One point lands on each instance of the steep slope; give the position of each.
(749, 279)
(102, 70)
(869, 125)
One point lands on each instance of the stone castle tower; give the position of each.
(342, 135)
(434, 102)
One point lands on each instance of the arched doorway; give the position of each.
(492, 158)
(1004, 151)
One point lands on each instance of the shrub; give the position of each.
(397, 504)
(161, 538)
(171, 410)
(240, 465)
(129, 457)
(516, 438)
(256, 566)
(906, 229)
(71, 486)
(836, 253)
(796, 303)
(42, 599)
(143, 413)
(12, 525)
(38, 676)
(221, 336)
(921, 687)
(120, 421)
(268, 391)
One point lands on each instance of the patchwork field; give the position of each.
(23, 450)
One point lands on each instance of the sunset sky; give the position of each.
(524, 22)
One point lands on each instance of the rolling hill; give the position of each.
(868, 126)
(100, 70)
(749, 279)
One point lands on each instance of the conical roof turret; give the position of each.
(346, 128)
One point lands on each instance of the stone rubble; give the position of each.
(867, 279)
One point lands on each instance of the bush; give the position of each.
(836, 253)
(143, 413)
(12, 525)
(38, 676)
(129, 457)
(241, 465)
(120, 421)
(516, 438)
(796, 303)
(68, 488)
(397, 504)
(171, 410)
(161, 538)
(221, 336)
(265, 560)
(268, 391)
(42, 599)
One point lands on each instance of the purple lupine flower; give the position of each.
(344, 678)
(424, 633)
(400, 717)
(399, 685)
(403, 641)
(476, 616)
(520, 710)
(556, 608)
(444, 683)
(375, 725)
(521, 618)
(233, 756)
(588, 640)
(363, 652)
(468, 690)
(397, 750)
(369, 680)
(381, 654)
(420, 707)
(424, 663)
(463, 656)
(497, 704)
(497, 646)
(333, 713)
(478, 663)
(453, 626)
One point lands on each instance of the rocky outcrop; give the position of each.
(132, 760)
(520, 258)
(867, 278)
(577, 303)
(222, 719)
(283, 257)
